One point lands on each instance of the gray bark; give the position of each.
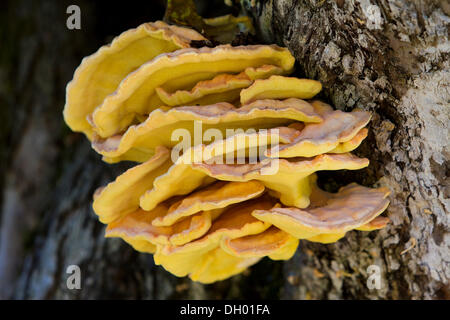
(391, 59)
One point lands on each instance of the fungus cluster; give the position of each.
(201, 216)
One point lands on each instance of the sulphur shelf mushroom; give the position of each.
(175, 70)
(209, 208)
(99, 75)
(223, 87)
(138, 143)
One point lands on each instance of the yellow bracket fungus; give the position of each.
(227, 22)
(376, 224)
(337, 128)
(138, 226)
(221, 88)
(139, 141)
(224, 87)
(352, 207)
(99, 75)
(291, 181)
(224, 28)
(122, 196)
(352, 144)
(237, 221)
(219, 195)
(274, 243)
(219, 265)
(139, 245)
(279, 87)
(210, 206)
(183, 178)
(136, 94)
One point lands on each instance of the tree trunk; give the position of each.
(392, 58)
(389, 57)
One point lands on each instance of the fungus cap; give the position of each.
(235, 222)
(222, 88)
(121, 196)
(219, 265)
(273, 242)
(100, 73)
(318, 138)
(183, 68)
(289, 179)
(182, 178)
(137, 226)
(216, 196)
(352, 207)
(280, 87)
(225, 28)
(352, 144)
(139, 141)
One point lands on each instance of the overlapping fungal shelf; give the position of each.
(198, 215)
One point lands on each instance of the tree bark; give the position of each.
(389, 57)
(392, 58)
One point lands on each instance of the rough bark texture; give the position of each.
(389, 57)
(392, 58)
